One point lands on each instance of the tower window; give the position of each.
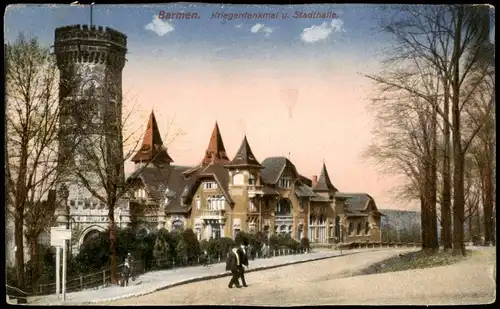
(210, 185)
(252, 180)
(285, 182)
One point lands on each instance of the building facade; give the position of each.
(90, 61)
(221, 196)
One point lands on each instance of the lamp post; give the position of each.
(62, 214)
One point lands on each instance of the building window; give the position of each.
(359, 228)
(210, 185)
(367, 228)
(236, 232)
(302, 204)
(87, 203)
(140, 193)
(251, 205)
(216, 202)
(351, 228)
(198, 206)
(252, 181)
(216, 233)
(285, 182)
(283, 206)
(312, 220)
(289, 230)
(72, 203)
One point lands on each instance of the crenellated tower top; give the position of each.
(84, 44)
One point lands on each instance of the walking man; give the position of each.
(242, 252)
(126, 271)
(232, 264)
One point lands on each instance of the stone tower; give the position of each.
(90, 61)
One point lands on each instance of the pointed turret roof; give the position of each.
(215, 152)
(244, 156)
(324, 183)
(152, 149)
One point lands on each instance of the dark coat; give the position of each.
(243, 256)
(232, 261)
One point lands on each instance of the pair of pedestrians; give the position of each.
(236, 262)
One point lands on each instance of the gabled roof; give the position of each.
(158, 179)
(273, 168)
(324, 183)
(216, 152)
(304, 191)
(357, 203)
(212, 171)
(244, 156)
(152, 149)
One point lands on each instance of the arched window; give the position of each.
(351, 228)
(312, 220)
(321, 220)
(367, 228)
(337, 226)
(283, 207)
(252, 180)
(359, 228)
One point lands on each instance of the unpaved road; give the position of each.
(324, 282)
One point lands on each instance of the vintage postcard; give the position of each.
(272, 155)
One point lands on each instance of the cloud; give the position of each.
(159, 26)
(320, 32)
(261, 28)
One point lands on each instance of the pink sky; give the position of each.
(328, 121)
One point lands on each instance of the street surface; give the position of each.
(324, 282)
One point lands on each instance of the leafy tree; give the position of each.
(304, 243)
(192, 245)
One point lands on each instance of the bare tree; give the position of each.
(101, 160)
(451, 40)
(32, 163)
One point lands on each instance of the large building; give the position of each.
(221, 196)
(90, 61)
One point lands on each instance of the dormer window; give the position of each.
(140, 193)
(210, 185)
(285, 182)
(252, 181)
(252, 205)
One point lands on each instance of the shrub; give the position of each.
(273, 242)
(192, 244)
(304, 243)
(224, 245)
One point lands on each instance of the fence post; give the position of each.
(81, 282)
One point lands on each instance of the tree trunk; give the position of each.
(19, 242)
(446, 194)
(471, 234)
(458, 154)
(34, 260)
(112, 244)
(488, 205)
(433, 237)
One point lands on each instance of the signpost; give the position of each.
(58, 237)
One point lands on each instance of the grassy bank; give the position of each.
(413, 260)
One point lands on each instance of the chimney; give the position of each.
(314, 180)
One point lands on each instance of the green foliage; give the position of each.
(192, 251)
(304, 243)
(274, 242)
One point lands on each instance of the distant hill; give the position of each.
(400, 219)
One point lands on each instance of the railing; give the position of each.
(376, 244)
(213, 213)
(102, 279)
